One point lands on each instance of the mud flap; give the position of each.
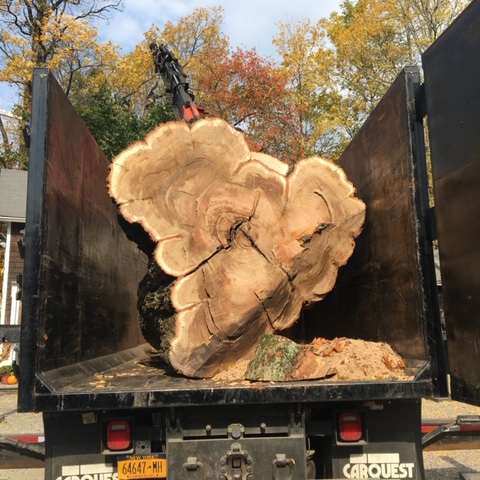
(391, 447)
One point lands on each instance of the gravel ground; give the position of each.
(447, 465)
(28, 423)
(440, 465)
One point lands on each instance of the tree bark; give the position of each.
(157, 315)
(248, 242)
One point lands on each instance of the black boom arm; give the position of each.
(176, 83)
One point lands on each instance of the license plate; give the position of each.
(142, 466)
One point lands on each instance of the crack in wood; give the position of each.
(232, 233)
(327, 204)
(265, 310)
(207, 301)
(237, 225)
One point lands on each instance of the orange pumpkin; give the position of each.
(12, 380)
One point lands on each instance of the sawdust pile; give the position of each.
(355, 359)
(340, 359)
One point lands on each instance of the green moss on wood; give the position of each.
(275, 357)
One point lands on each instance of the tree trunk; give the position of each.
(248, 242)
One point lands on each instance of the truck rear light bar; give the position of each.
(350, 428)
(119, 435)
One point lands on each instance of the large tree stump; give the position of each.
(249, 242)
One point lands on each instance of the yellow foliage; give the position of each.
(194, 37)
(51, 36)
(194, 33)
(374, 39)
(309, 64)
(337, 68)
(134, 76)
(188, 39)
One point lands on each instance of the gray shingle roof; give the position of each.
(13, 195)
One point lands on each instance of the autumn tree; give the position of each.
(134, 76)
(54, 34)
(242, 87)
(308, 64)
(339, 68)
(133, 86)
(424, 20)
(252, 94)
(194, 35)
(50, 33)
(373, 40)
(239, 86)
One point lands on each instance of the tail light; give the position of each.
(350, 428)
(119, 435)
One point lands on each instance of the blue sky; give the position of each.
(247, 23)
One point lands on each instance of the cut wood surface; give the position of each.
(249, 242)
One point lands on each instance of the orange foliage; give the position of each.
(252, 94)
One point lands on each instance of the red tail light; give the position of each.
(350, 427)
(118, 435)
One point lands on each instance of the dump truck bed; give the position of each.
(138, 378)
(81, 343)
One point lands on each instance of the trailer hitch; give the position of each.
(32, 450)
(236, 464)
(463, 423)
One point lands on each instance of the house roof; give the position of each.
(13, 195)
